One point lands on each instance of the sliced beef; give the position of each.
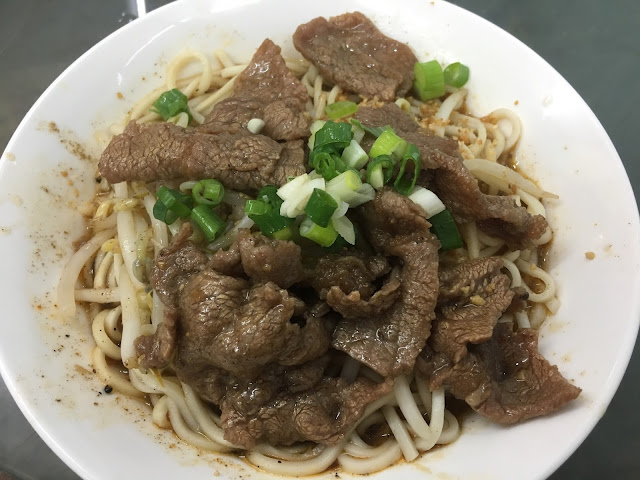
(174, 266)
(262, 259)
(323, 414)
(268, 90)
(471, 321)
(231, 115)
(464, 278)
(454, 184)
(227, 324)
(353, 305)
(267, 259)
(268, 79)
(164, 151)
(352, 271)
(389, 342)
(290, 164)
(156, 351)
(351, 52)
(507, 380)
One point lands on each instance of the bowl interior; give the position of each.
(48, 169)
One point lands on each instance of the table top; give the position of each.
(592, 43)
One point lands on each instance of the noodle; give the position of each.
(126, 235)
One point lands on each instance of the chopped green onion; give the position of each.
(429, 80)
(444, 227)
(324, 236)
(404, 104)
(170, 103)
(338, 246)
(354, 156)
(347, 187)
(210, 224)
(388, 143)
(375, 131)
(428, 200)
(271, 222)
(269, 195)
(256, 207)
(315, 126)
(358, 133)
(345, 228)
(324, 163)
(456, 74)
(284, 234)
(340, 109)
(364, 194)
(344, 184)
(320, 207)
(208, 192)
(333, 137)
(171, 204)
(403, 184)
(255, 125)
(380, 171)
(188, 185)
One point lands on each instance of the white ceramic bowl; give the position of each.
(47, 170)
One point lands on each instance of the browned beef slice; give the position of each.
(464, 278)
(267, 259)
(246, 395)
(226, 323)
(164, 151)
(174, 266)
(323, 414)
(290, 164)
(351, 52)
(268, 90)
(390, 342)
(231, 115)
(268, 79)
(454, 184)
(262, 259)
(353, 305)
(155, 351)
(465, 322)
(350, 272)
(507, 380)
(282, 121)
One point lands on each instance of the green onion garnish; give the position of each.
(324, 236)
(325, 164)
(429, 80)
(456, 74)
(333, 137)
(380, 171)
(171, 103)
(210, 224)
(171, 205)
(256, 207)
(404, 184)
(208, 192)
(320, 207)
(340, 109)
(268, 194)
(444, 227)
(266, 215)
(388, 143)
(284, 234)
(375, 131)
(354, 156)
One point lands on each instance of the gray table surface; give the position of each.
(594, 44)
